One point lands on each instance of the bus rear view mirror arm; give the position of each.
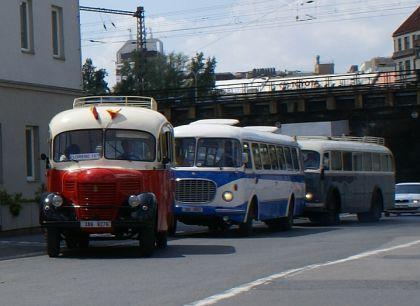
(46, 159)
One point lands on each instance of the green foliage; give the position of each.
(94, 79)
(166, 75)
(14, 201)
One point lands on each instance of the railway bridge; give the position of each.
(384, 105)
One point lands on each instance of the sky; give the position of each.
(247, 34)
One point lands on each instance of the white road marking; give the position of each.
(248, 286)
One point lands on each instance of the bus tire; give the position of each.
(71, 241)
(162, 239)
(332, 215)
(245, 228)
(83, 241)
(147, 240)
(375, 211)
(287, 223)
(172, 227)
(53, 238)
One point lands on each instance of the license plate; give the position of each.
(95, 224)
(192, 209)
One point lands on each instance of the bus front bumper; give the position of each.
(203, 214)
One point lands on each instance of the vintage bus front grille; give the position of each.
(96, 193)
(130, 187)
(195, 191)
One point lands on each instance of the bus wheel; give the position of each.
(375, 212)
(245, 228)
(71, 241)
(172, 227)
(161, 240)
(83, 241)
(287, 223)
(53, 242)
(332, 215)
(147, 239)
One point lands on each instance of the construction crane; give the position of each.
(139, 14)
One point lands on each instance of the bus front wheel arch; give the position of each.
(245, 228)
(376, 208)
(331, 216)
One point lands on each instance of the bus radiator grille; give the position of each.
(195, 191)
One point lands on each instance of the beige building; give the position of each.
(407, 46)
(40, 75)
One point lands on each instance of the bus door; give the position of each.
(250, 178)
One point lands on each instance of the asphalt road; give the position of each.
(350, 264)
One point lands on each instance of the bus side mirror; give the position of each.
(165, 161)
(244, 158)
(322, 176)
(46, 159)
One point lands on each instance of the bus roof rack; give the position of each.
(136, 101)
(216, 121)
(366, 139)
(264, 128)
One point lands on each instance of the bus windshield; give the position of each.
(78, 145)
(311, 159)
(208, 152)
(414, 188)
(184, 152)
(218, 152)
(119, 144)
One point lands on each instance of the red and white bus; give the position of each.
(108, 172)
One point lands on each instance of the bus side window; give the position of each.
(376, 163)
(273, 156)
(280, 157)
(357, 161)
(265, 157)
(326, 161)
(347, 161)
(295, 159)
(256, 156)
(390, 163)
(336, 162)
(288, 155)
(248, 164)
(367, 161)
(384, 163)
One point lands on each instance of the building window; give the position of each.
(400, 66)
(26, 26)
(57, 32)
(399, 44)
(407, 66)
(407, 42)
(31, 145)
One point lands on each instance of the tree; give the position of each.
(202, 74)
(94, 79)
(166, 75)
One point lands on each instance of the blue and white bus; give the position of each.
(233, 175)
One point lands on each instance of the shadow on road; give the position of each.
(258, 232)
(127, 252)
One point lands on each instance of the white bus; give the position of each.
(347, 175)
(233, 175)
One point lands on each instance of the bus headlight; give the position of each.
(309, 196)
(133, 201)
(57, 200)
(227, 196)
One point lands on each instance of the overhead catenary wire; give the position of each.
(270, 23)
